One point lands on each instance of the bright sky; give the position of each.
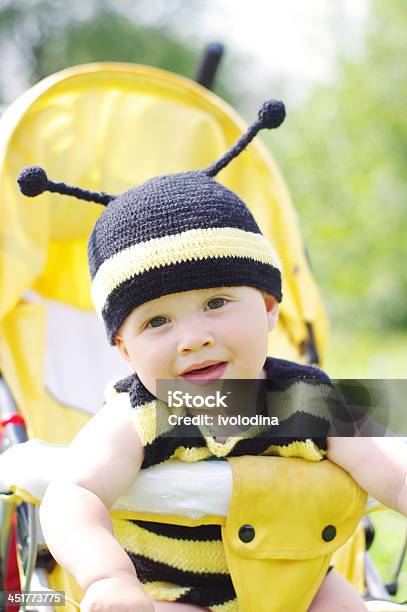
(291, 40)
(287, 44)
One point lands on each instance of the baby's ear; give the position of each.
(122, 347)
(272, 310)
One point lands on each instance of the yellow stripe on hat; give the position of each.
(190, 245)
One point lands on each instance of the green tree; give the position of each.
(44, 36)
(344, 156)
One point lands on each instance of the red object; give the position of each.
(13, 576)
(12, 582)
(14, 419)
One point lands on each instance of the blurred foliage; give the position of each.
(49, 35)
(355, 353)
(389, 537)
(344, 155)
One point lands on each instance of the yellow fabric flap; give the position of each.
(289, 504)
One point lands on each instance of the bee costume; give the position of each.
(181, 232)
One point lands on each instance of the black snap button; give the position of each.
(246, 533)
(328, 533)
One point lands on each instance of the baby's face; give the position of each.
(227, 325)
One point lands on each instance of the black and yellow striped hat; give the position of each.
(173, 233)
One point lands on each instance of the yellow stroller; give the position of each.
(46, 311)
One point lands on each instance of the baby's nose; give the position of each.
(194, 342)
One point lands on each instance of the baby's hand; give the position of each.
(121, 594)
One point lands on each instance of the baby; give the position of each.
(188, 289)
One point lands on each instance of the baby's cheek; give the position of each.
(158, 364)
(251, 331)
(148, 379)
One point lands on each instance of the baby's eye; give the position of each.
(216, 303)
(157, 322)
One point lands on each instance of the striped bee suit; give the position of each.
(188, 564)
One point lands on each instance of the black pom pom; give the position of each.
(272, 114)
(32, 181)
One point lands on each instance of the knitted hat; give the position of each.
(173, 233)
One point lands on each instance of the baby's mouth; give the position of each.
(207, 373)
(205, 369)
